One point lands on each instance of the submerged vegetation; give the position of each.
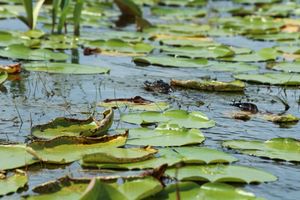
(156, 99)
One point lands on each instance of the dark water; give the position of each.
(39, 97)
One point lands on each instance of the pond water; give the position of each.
(33, 98)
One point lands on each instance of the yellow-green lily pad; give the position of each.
(207, 191)
(12, 183)
(170, 156)
(183, 118)
(65, 68)
(165, 135)
(287, 149)
(67, 149)
(74, 127)
(15, 156)
(168, 61)
(117, 45)
(287, 79)
(217, 86)
(22, 52)
(221, 173)
(287, 66)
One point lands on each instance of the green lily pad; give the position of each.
(7, 38)
(196, 52)
(188, 42)
(233, 86)
(63, 188)
(265, 54)
(15, 156)
(67, 188)
(252, 25)
(120, 155)
(221, 173)
(207, 191)
(135, 103)
(142, 189)
(99, 190)
(183, 2)
(171, 156)
(13, 183)
(168, 61)
(287, 149)
(277, 37)
(22, 52)
(3, 77)
(183, 118)
(288, 79)
(74, 127)
(126, 36)
(117, 45)
(165, 135)
(177, 12)
(67, 149)
(257, 1)
(287, 66)
(36, 34)
(288, 49)
(231, 67)
(65, 68)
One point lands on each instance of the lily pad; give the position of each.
(99, 190)
(287, 79)
(67, 188)
(183, 118)
(221, 173)
(280, 119)
(22, 52)
(65, 68)
(277, 37)
(233, 86)
(287, 66)
(67, 149)
(3, 77)
(171, 156)
(265, 54)
(135, 103)
(13, 183)
(63, 188)
(120, 155)
(231, 67)
(7, 38)
(207, 191)
(196, 52)
(287, 149)
(165, 135)
(117, 45)
(142, 188)
(168, 61)
(177, 12)
(193, 42)
(74, 127)
(15, 156)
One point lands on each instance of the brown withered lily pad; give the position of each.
(233, 86)
(11, 69)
